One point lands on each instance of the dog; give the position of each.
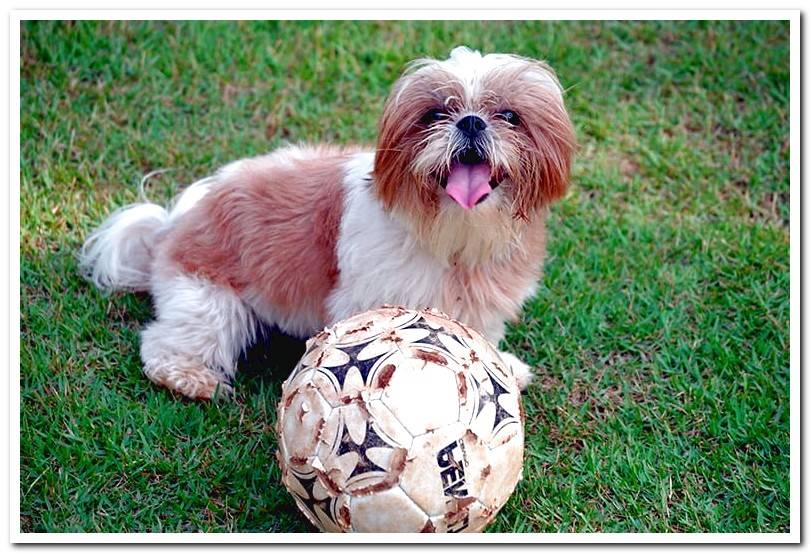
(447, 211)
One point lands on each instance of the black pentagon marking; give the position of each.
(433, 334)
(485, 398)
(364, 366)
(308, 483)
(370, 440)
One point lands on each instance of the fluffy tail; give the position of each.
(118, 255)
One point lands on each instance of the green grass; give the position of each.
(661, 328)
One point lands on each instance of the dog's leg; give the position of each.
(200, 329)
(522, 372)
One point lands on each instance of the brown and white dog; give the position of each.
(447, 212)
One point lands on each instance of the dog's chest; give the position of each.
(385, 265)
(386, 271)
(380, 264)
(487, 294)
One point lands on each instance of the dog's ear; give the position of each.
(391, 156)
(544, 138)
(544, 177)
(398, 136)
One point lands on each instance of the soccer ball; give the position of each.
(399, 420)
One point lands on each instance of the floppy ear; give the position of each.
(392, 156)
(545, 138)
(553, 140)
(399, 137)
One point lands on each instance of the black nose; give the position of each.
(471, 125)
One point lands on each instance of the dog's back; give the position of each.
(267, 230)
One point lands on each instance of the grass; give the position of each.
(661, 329)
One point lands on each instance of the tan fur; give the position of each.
(498, 285)
(188, 377)
(269, 225)
(401, 137)
(468, 237)
(541, 153)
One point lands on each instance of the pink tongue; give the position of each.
(467, 184)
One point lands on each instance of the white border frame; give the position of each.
(16, 536)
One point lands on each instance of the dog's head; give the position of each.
(475, 138)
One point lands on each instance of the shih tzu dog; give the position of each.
(448, 212)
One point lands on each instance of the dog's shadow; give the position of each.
(270, 359)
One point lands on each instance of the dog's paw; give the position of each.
(521, 371)
(189, 379)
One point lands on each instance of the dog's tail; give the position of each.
(118, 254)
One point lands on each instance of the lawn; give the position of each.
(661, 329)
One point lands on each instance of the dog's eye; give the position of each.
(510, 117)
(433, 115)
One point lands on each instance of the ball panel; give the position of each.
(388, 425)
(392, 460)
(301, 375)
(465, 516)
(352, 369)
(434, 472)
(355, 420)
(363, 457)
(371, 324)
(435, 318)
(331, 434)
(324, 509)
(492, 473)
(423, 393)
(469, 394)
(327, 385)
(498, 413)
(390, 511)
(324, 355)
(502, 473)
(303, 419)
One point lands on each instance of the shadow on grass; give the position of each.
(269, 361)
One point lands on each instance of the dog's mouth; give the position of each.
(470, 179)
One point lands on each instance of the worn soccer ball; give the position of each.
(400, 420)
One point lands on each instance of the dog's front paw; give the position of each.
(522, 372)
(193, 380)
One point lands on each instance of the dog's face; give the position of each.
(478, 137)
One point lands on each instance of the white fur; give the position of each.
(117, 255)
(469, 66)
(197, 324)
(378, 260)
(522, 372)
(190, 196)
(302, 324)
